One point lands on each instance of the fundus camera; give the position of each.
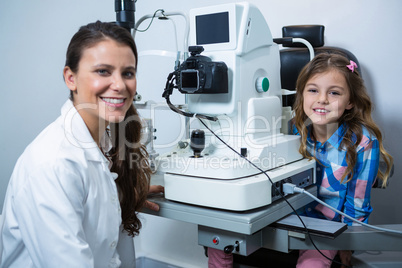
(199, 75)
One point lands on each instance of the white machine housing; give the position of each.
(249, 116)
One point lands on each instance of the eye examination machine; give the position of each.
(227, 173)
(232, 85)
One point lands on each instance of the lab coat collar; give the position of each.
(77, 133)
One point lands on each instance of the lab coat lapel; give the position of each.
(77, 133)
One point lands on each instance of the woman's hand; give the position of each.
(154, 189)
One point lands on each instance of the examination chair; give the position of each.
(293, 57)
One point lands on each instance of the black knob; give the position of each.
(228, 249)
(197, 142)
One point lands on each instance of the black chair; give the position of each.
(295, 56)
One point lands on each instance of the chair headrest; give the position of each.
(314, 34)
(293, 60)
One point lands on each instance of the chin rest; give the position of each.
(295, 56)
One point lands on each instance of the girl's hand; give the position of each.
(154, 189)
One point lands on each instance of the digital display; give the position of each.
(212, 28)
(189, 80)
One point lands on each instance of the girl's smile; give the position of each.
(320, 111)
(325, 98)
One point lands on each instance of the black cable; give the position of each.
(169, 90)
(278, 190)
(177, 110)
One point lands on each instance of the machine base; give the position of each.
(238, 194)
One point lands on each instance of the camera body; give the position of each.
(200, 75)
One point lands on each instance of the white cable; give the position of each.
(307, 44)
(290, 187)
(175, 33)
(186, 31)
(167, 14)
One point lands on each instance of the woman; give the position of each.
(86, 175)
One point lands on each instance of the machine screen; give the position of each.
(212, 28)
(189, 80)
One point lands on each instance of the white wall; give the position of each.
(34, 36)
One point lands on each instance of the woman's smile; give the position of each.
(114, 102)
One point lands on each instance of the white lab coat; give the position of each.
(61, 208)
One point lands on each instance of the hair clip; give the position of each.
(352, 66)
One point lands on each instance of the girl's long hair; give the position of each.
(129, 157)
(354, 119)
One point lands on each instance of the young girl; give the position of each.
(86, 175)
(333, 118)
